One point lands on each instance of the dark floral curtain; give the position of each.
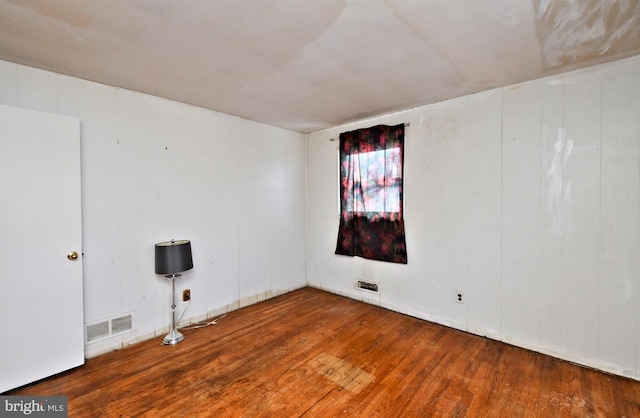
(371, 172)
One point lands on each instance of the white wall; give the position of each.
(152, 170)
(526, 199)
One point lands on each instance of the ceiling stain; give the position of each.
(582, 31)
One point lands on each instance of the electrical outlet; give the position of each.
(459, 297)
(186, 295)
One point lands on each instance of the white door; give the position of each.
(41, 302)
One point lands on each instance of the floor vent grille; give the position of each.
(97, 331)
(122, 324)
(371, 287)
(108, 328)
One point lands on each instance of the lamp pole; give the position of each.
(174, 336)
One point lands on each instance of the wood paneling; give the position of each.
(316, 354)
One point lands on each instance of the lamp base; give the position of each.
(173, 337)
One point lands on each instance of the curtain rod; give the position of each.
(335, 139)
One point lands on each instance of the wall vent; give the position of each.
(108, 328)
(122, 324)
(371, 287)
(97, 331)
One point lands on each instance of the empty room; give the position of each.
(278, 208)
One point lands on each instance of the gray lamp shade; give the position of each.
(173, 257)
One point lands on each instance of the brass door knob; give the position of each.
(72, 256)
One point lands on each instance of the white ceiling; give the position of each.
(310, 64)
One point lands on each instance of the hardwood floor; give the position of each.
(314, 354)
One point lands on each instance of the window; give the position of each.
(371, 170)
(377, 189)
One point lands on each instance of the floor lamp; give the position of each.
(173, 257)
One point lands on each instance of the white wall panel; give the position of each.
(213, 175)
(439, 247)
(552, 218)
(97, 111)
(435, 292)
(580, 211)
(415, 294)
(483, 291)
(619, 276)
(256, 178)
(521, 153)
(289, 255)
(322, 205)
(459, 210)
(139, 291)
